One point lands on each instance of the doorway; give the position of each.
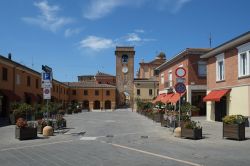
(97, 105)
(108, 104)
(221, 109)
(86, 104)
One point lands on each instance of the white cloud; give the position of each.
(70, 32)
(48, 19)
(179, 5)
(100, 8)
(96, 43)
(133, 37)
(139, 30)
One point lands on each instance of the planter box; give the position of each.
(164, 123)
(25, 133)
(62, 124)
(157, 117)
(234, 131)
(191, 133)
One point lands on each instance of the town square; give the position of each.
(122, 82)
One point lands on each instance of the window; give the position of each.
(170, 78)
(220, 67)
(162, 78)
(5, 74)
(28, 80)
(85, 92)
(202, 68)
(18, 81)
(97, 92)
(57, 89)
(74, 92)
(244, 60)
(37, 84)
(157, 91)
(107, 93)
(124, 58)
(150, 92)
(53, 88)
(138, 92)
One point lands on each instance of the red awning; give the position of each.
(216, 95)
(158, 98)
(166, 98)
(10, 95)
(175, 98)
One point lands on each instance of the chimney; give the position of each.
(9, 56)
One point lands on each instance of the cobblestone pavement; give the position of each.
(122, 138)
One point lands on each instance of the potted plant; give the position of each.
(23, 111)
(23, 131)
(61, 122)
(168, 116)
(234, 127)
(192, 130)
(158, 112)
(14, 108)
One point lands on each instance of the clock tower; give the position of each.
(125, 75)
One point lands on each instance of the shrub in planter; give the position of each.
(192, 130)
(23, 111)
(158, 115)
(61, 122)
(23, 131)
(61, 111)
(234, 127)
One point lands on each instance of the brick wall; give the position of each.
(231, 71)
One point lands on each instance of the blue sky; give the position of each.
(79, 37)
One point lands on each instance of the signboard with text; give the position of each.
(46, 93)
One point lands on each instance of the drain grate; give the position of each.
(109, 136)
(78, 134)
(144, 136)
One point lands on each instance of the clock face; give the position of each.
(124, 69)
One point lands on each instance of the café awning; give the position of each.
(216, 95)
(158, 98)
(175, 98)
(166, 98)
